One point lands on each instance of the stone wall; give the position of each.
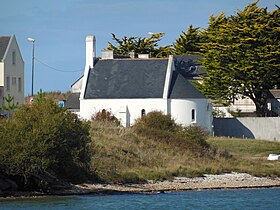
(266, 128)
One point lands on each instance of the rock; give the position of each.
(7, 185)
(273, 157)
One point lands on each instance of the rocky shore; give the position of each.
(223, 181)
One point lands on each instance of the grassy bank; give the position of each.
(130, 155)
(250, 155)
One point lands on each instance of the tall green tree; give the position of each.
(139, 45)
(241, 55)
(188, 42)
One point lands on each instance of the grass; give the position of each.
(133, 155)
(250, 156)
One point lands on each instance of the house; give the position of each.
(11, 70)
(132, 87)
(273, 103)
(73, 102)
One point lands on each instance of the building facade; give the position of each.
(11, 71)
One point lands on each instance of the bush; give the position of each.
(157, 120)
(105, 116)
(44, 140)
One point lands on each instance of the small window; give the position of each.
(14, 57)
(193, 115)
(19, 84)
(14, 80)
(8, 83)
(143, 112)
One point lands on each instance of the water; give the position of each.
(205, 199)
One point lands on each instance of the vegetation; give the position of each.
(241, 55)
(9, 105)
(43, 143)
(250, 156)
(150, 151)
(55, 96)
(139, 45)
(188, 42)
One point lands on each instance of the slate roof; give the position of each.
(189, 65)
(4, 41)
(127, 78)
(142, 78)
(181, 88)
(73, 102)
(275, 93)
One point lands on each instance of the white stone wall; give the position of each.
(181, 110)
(128, 110)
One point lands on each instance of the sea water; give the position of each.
(204, 199)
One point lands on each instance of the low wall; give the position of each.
(266, 128)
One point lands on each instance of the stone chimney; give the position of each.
(107, 54)
(90, 51)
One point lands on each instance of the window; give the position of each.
(8, 83)
(193, 115)
(143, 112)
(14, 80)
(14, 57)
(19, 84)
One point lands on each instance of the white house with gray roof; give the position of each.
(11, 70)
(131, 87)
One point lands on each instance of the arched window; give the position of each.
(143, 112)
(193, 115)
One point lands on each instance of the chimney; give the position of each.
(107, 54)
(144, 56)
(90, 51)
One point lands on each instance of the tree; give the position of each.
(44, 142)
(139, 45)
(241, 55)
(9, 105)
(188, 42)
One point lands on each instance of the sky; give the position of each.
(60, 27)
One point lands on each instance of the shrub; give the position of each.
(157, 120)
(105, 116)
(44, 140)
(196, 135)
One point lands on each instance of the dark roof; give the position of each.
(142, 78)
(127, 78)
(4, 41)
(275, 93)
(73, 102)
(189, 65)
(180, 87)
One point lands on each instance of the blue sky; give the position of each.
(60, 28)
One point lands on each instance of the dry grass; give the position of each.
(250, 155)
(123, 155)
(129, 155)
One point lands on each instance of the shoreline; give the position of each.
(178, 184)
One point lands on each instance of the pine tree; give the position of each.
(139, 45)
(241, 55)
(188, 42)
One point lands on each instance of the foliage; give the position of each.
(42, 141)
(157, 120)
(241, 55)
(55, 96)
(9, 105)
(218, 113)
(188, 42)
(139, 45)
(106, 116)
